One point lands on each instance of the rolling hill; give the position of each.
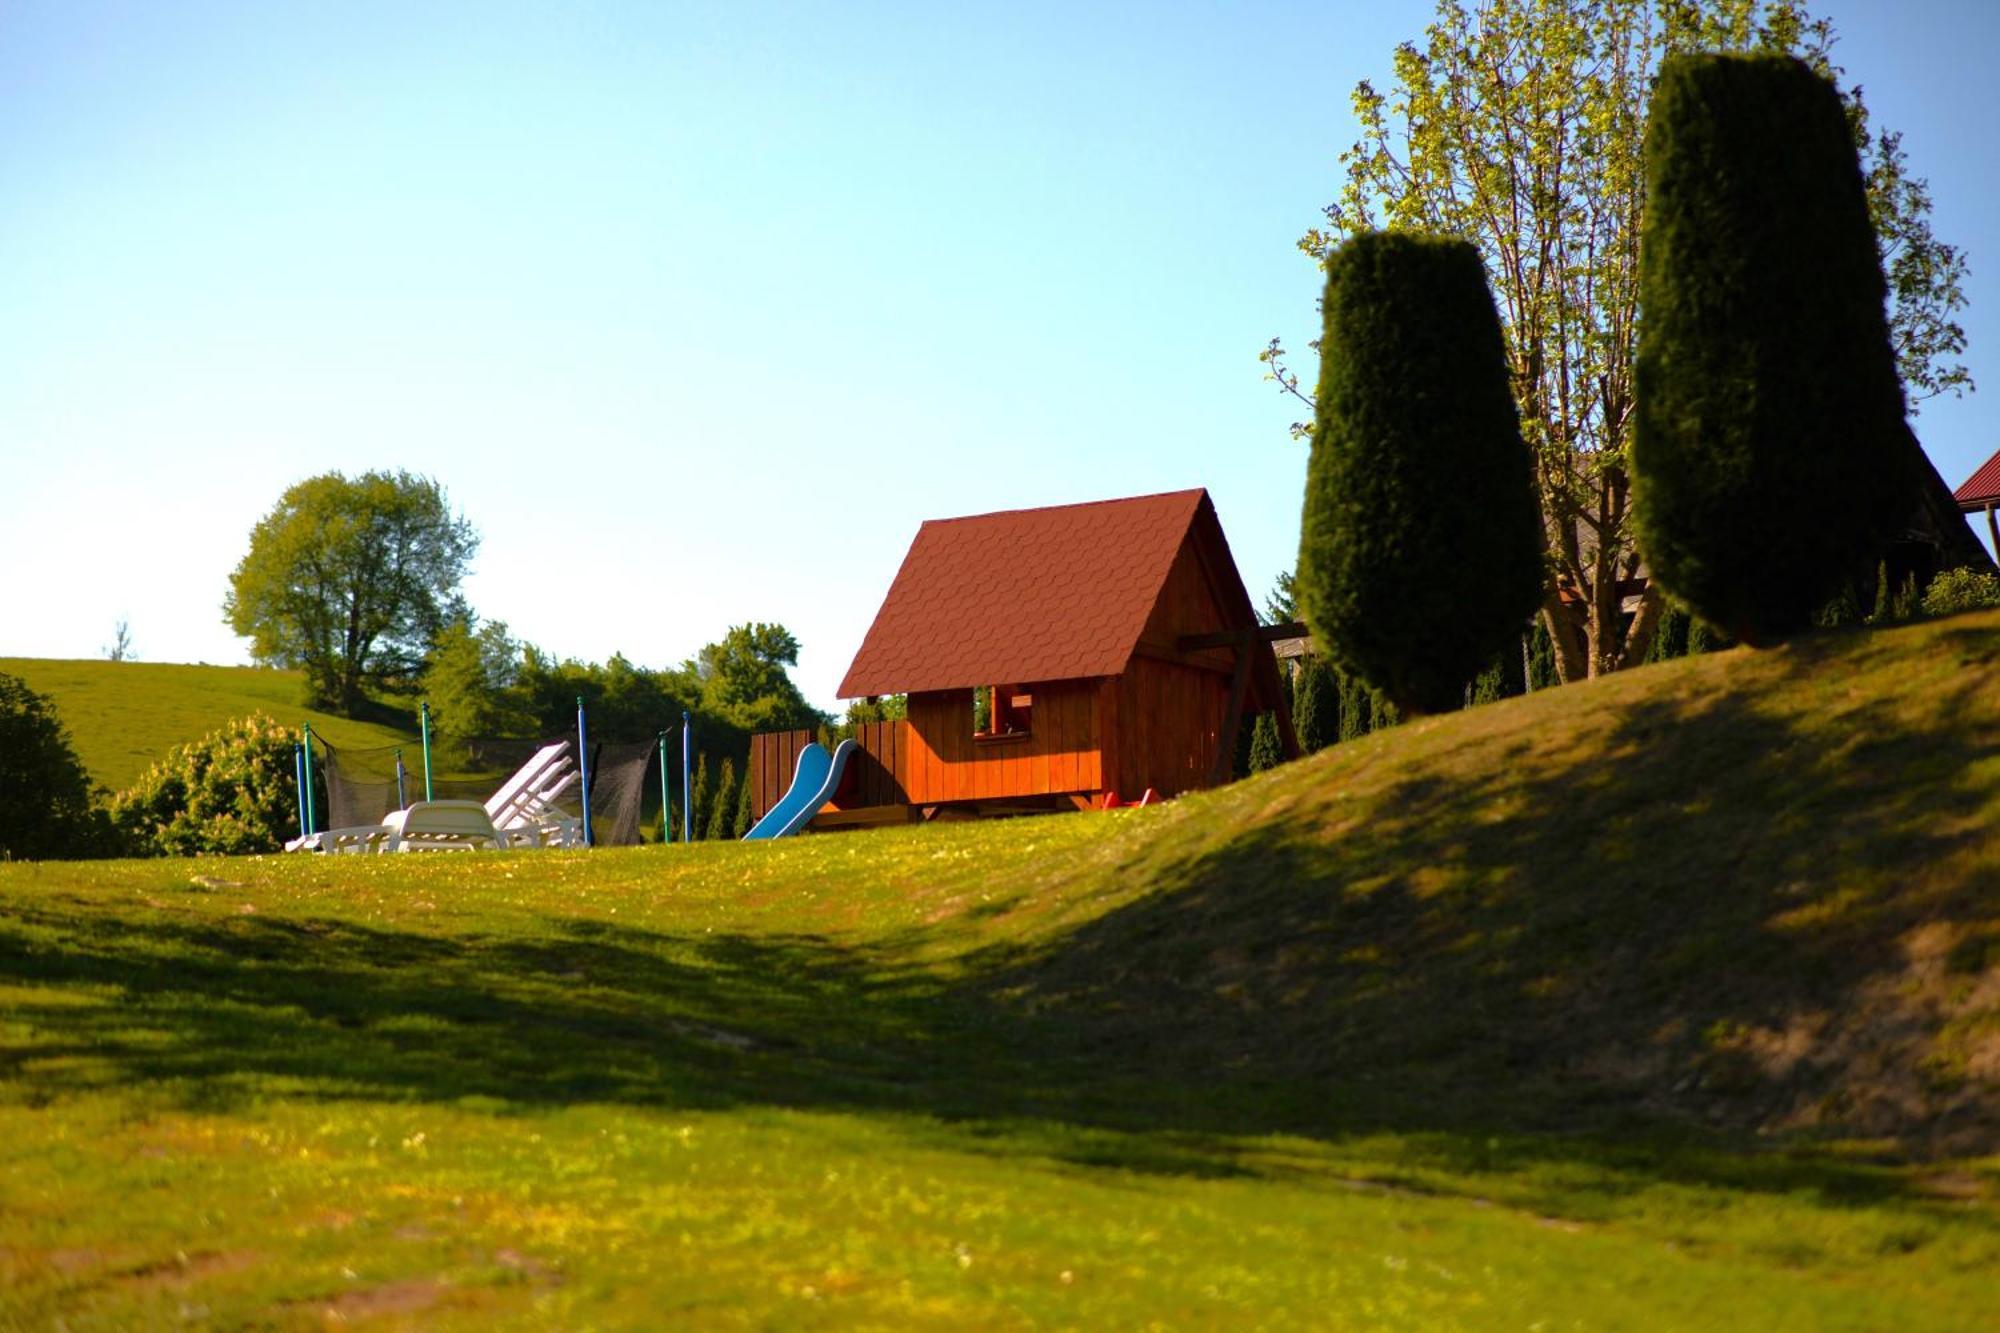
(123, 716)
(1670, 1000)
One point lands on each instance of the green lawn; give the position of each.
(124, 716)
(1671, 1001)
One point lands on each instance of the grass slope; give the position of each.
(124, 716)
(1666, 1001)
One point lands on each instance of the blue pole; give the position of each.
(687, 782)
(667, 801)
(299, 782)
(583, 770)
(310, 820)
(424, 714)
(402, 796)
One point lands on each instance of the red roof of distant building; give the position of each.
(1025, 595)
(1982, 487)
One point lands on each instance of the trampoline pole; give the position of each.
(402, 796)
(687, 783)
(299, 783)
(424, 718)
(583, 771)
(310, 821)
(667, 803)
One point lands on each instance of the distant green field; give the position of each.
(123, 716)
(1667, 1001)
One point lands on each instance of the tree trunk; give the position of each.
(1566, 637)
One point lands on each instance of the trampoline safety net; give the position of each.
(363, 786)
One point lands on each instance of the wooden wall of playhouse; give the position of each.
(933, 758)
(1157, 726)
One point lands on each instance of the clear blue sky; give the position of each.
(698, 311)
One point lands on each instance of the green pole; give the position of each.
(310, 822)
(424, 715)
(667, 805)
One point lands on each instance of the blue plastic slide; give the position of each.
(814, 782)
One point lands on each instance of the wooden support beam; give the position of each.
(1229, 638)
(1232, 722)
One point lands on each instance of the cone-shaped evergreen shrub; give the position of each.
(744, 816)
(1315, 706)
(1266, 751)
(723, 808)
(1766, 454)
(1421, 548)
(698, 821)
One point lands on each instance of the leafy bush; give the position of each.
(1958, 590)
(46, 806)
(234, 791)
(1420, 554)
(1768, 450)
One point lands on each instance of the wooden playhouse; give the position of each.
(1052, 658)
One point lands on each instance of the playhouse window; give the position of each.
(1002, 710)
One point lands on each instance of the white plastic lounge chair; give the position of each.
(441, 826)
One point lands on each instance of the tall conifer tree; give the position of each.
(1769, 458)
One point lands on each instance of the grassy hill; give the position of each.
(123, 716)
(1667, 1001)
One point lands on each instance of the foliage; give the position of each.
(47, 806)
(1518, 124)
(722, 806)
(1282, 606)
(700, 807)
(120, 647)
(1958, 590)
(469, 681)
(745, 810)
(233, 791)
(887, 708)
(1766, 448)
(1315, 704)
(744, 681)
(1391, 996)
(1266, 750)
(1419, 555)
(349, 580)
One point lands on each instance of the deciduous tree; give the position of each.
(744, 679)
(349, 580)
(469, 681)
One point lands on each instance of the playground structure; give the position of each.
(1110, 649)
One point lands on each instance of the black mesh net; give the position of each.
(364, 785)
(619, 791)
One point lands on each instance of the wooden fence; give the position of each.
(870, 779)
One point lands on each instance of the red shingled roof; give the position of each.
(1025, 595)
(1982, 487)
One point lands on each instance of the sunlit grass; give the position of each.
(1477, 1023)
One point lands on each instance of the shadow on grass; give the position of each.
(1618, 934)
